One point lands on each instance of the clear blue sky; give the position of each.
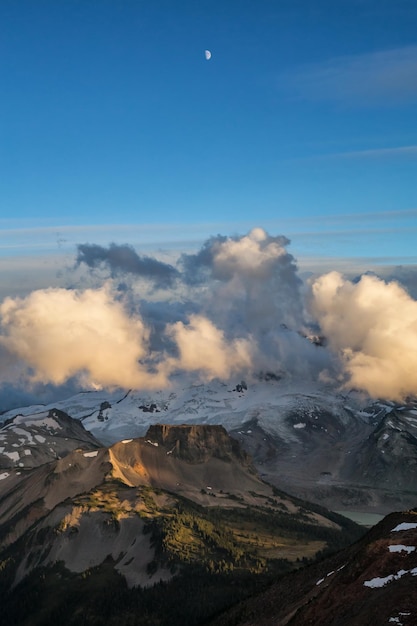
(303, 120)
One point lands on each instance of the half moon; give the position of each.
(207, 54)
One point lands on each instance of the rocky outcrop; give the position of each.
(197, 443)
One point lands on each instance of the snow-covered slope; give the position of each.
(111, 416)
(339, 449)
(31, 440)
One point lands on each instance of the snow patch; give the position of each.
(300, 425)
(153, 443)
(49, 422)
(23, 433)
(126, 440)
(381, 582)
(397, 620)
(91, 454)
(4, 475)
(14, 456)
(401, 548)
(404, 526)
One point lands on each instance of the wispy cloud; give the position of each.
(384, 77)
(342, 221)
(396, 152)
(39, 238)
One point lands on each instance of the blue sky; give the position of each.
(114, 126)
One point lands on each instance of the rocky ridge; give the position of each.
(371, 582)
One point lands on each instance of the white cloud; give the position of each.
(372, 326)
(61, 333)
(244, 313)
(203, 347)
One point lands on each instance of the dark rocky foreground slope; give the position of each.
(372, 582)
(166, 529)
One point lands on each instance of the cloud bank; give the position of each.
(237, 306)
(372, 326)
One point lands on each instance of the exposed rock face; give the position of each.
(197, 443)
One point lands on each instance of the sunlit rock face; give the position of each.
(197, 443)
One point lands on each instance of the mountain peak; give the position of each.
(196, 443)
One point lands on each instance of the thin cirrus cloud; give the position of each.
(383, 77)
(395, 152)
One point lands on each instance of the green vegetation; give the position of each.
(100, 597)
(217, 555)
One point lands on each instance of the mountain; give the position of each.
(164, 529)
(32, 440)
(371, 582)
(341, 450)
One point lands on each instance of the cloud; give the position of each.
(232, 309)
(384, 77)
(62, 333)
(236, 306)
(122, 259)
(396, 152)
(372, 326)
(255, 286)
(406, 275)
(203, 347)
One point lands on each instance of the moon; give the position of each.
(207, 54)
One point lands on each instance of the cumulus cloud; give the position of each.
(237, 306)
(203, 347)
(372, 326)
(256, 287)
(61, 333)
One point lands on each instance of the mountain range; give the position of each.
(183, 505)
(171, 507)
(341, 450)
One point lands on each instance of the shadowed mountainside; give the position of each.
(371, 582)
(183, 503)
